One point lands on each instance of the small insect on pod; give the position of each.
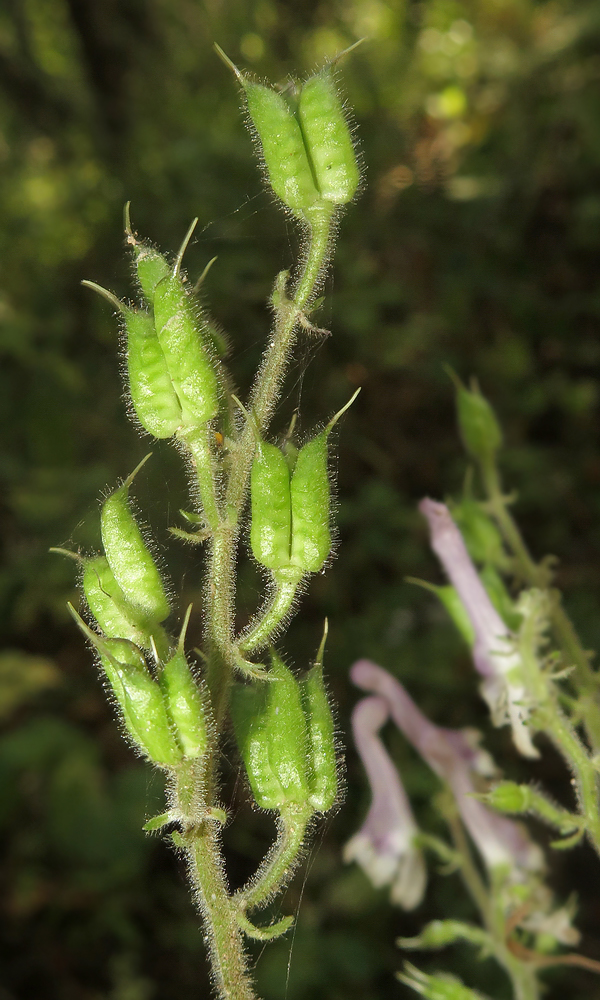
(180, 334)
(132, 564)
(328, 139)
(184, 702)
(138, 696)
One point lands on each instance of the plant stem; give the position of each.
(279, 863)
(537, 575)
(278, 608)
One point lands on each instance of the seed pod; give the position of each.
(479, 428)
(284, 152)
(151, 267)
(140, 698)
(311, 495)
(108, 604)
(189, 365)
(138, 695)
(184, 701)
(508, 797)
(249, 715)
(152, 394)
(321, 741)
(328, 139)
(271, 524)
(286, 731)
(132, 564)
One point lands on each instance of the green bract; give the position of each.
(328, 139)
(129, 558)
(189, 365)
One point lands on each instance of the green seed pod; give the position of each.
(323, 782)
(249, 715)
(328, 139)
(284, 152)
(184, 701)
(479, 428)
(132, 564)
(270, 730)
(151, 267)
(439, 933)
(108, 604)
(438, 986)
(286, 731)
(152, 394)
(189, 365)
(138, 696)
(271, 506)
(184, 705)
(311, 496)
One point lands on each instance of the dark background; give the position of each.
(476, 243)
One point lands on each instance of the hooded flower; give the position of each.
(385, 845)
(494, 652)
(452, 755)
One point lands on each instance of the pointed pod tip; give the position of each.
(228, 62)
(184, 246)
(104, 292)
(184, 628)
(341, 412)
(133, 474)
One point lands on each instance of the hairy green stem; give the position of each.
(279, 862)
(537, 575)
(261, 631)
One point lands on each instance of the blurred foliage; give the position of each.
(475, 243)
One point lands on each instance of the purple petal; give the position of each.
(384, 846)
(450, 755)
(494, 653)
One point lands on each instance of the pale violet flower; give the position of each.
(494, 653)
(452, 755)
(385, 845)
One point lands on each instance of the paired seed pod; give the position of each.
(138, 696)
(290, 507)
(306, 144)
(184, 702)
(117, 618)
(129, 558)
(284, 732)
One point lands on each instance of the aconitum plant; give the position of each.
(177, 705)
(536, 678)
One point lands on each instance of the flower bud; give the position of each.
(508, 797)
(478, 425)
(129, 558)
(328, 139)
(481, 536)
